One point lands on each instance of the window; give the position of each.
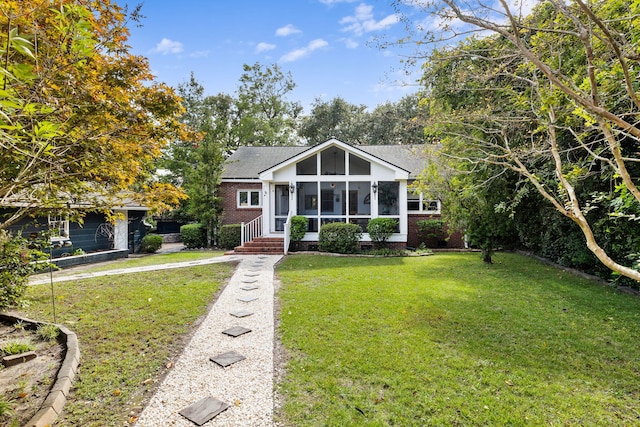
(307, 166)
(248, 198)
(332, 161)
(432, 206)
(417, 203)
(358, 166)
(59, 226)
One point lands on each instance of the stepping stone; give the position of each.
(262, 257)
(228, 358)
(249, 288)
(248, 299)
(249, 280)
(203, 410)
(241, 313)
(236, 331)
(252, 274)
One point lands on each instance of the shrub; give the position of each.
(48, 332)
(431, 231)
(339, 237)
(151, 243)
(380, 229)
(16, 266)
(298, 230)
(193, 236)
(229, 236)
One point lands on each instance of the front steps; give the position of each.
(262, 246)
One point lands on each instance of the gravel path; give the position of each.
(246, 386)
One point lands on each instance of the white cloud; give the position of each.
(362, 21)
(200, 54)
(264, 47)
(287, 30)
(351, 44)
(167, 46)
(294, 55)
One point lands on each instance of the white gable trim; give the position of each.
(267, 175)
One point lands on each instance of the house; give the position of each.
(95, 234)
(333, 181)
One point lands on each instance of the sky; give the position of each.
(328, 46)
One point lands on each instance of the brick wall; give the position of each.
(231, 214)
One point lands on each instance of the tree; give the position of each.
(334, 119)
(81, 119)
(401, 122)
(197, 164)
(265, 117)
(551, 96)
(389, 123)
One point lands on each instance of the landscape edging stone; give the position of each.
(57, 397)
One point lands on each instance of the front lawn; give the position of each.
(129, 328)
(446, 340)
(149, 259)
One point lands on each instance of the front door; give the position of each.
(280, 206)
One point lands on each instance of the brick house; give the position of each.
(332, 181)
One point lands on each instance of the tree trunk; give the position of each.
(486, 256)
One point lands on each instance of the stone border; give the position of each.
(54, 402)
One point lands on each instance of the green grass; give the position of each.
(128, 326)
(446, 340)
(153, 259)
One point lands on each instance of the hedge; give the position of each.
(229, 236)
(339, 237)
(194, 236)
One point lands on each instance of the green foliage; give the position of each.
(265, 116)
(380, 229)
(151, 243)
(230, 235)
(86, 136)
(431, 232)
(193, 236)
(389, 123)
(48, 332)
(552, 98)
(339, 237)
(11, 348)
(387, 252)
(16, 266)
(196, 164)
(6, 408)
(298, 227)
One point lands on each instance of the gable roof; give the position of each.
(246, 163)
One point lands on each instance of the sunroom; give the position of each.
(334, 182)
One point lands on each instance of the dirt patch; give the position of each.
(25, 386)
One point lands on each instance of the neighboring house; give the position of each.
(93, 235)
(332, 181)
